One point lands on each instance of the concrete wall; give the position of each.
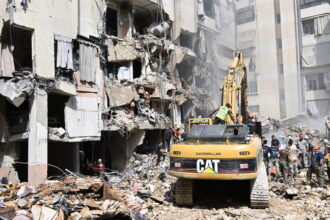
(290, 59)
(185, 17)
(121, 148)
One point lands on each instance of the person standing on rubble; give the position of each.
(303, 147)
(168, 138)
(309, 151)
(176, 134)
(316, 167)
(273, 160)
(293, 158)
(267, 151)
(283, 161)
(275, 142)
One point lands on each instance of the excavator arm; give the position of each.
(235, 88)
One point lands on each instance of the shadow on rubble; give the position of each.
(210, 194)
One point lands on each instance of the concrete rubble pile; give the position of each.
(135, 194)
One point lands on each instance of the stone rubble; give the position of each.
(144, 191)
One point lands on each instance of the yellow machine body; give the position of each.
(240, 161)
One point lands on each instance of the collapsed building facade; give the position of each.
(82, 80)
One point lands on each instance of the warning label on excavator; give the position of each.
(207, 166)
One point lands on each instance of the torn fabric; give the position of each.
(87, 62)
(321, 25)
(64, 57)
(7, 66)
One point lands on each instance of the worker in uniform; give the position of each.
(222, 114)
(267, 151)
(293, 158)
(273, 161)
(303, 147)
(316, 166)
(283, 154)
(98, 168)
(176, 134)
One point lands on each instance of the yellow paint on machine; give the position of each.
(212, 151)
(213, 176)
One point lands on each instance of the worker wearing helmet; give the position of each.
(223, 112)
(176, 134)
(316, 166)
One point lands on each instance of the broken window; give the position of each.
(16, 50)
(120, 71)
(124, 20)
(187, 40)
(315, 82)
(142, 20)
(111, 22)
(245, 15)
(209, 8)
(308, 26)
(22, 157)
(56, 104)
(18, 117)
(137, 69)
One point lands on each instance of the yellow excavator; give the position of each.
(231, 151)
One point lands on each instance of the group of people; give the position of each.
(285, 160)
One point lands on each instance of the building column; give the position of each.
(38, 138)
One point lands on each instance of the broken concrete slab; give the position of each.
(123, 50)
(120, 95)
(17, 89)
(65, 88)
(44, 213)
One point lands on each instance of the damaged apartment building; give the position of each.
(83, 80)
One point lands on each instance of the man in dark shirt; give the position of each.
(275, 141)
(167, 139)
(267, 153)
(273, 161)
(316, 166)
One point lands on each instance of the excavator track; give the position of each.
(184, 192)
(259, 195)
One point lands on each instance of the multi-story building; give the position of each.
(267, 33)
(82, 80)
(315, 38)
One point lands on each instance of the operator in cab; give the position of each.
(251, 123)
(223, 112)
